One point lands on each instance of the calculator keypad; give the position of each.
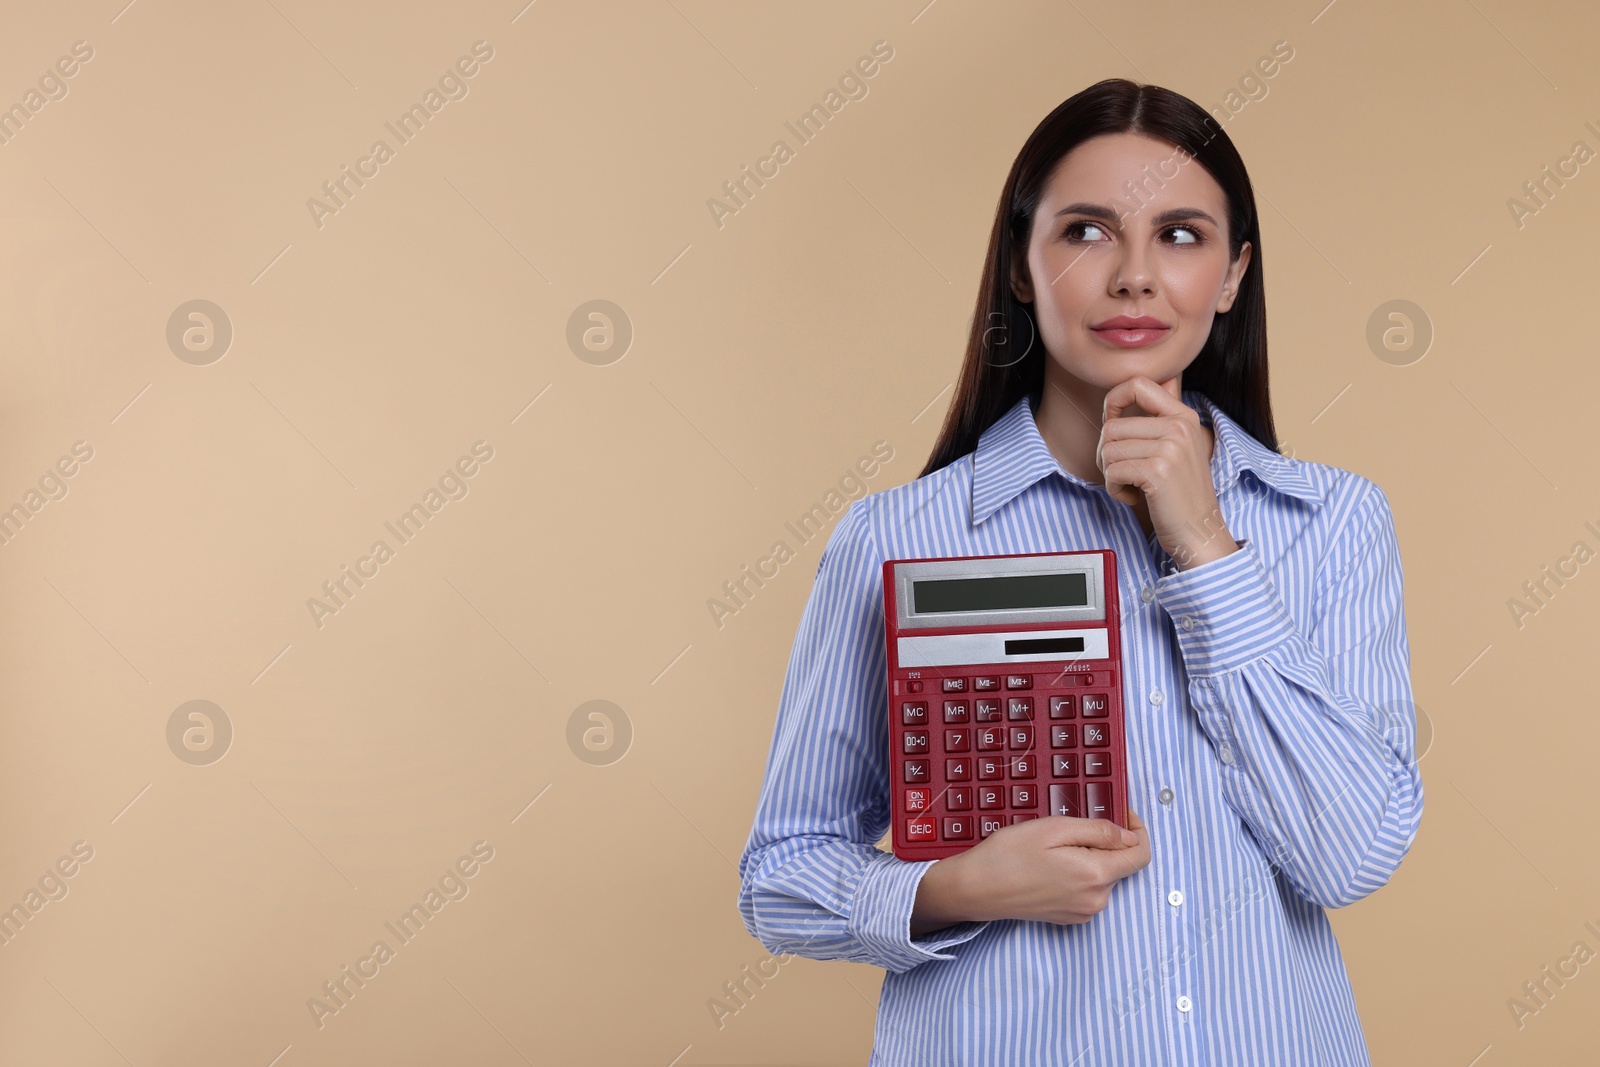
(1030, 748)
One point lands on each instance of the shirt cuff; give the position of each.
(880, 915)
(1226, 612)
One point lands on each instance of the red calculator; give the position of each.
(1005, 695)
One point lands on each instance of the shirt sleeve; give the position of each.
(812, 881)
(1314, 728)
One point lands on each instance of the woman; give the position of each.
(1114, 395)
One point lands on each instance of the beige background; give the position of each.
(432, 310)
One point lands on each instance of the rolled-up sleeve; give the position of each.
(1314, 729)
(812, 881)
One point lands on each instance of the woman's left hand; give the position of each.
(1165, 458)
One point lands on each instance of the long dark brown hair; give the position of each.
(1232, 367)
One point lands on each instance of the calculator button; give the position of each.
(1023, 766)
(914, 686)
(955, 685)
(1064, 799)
(1064, 736)
(1023, 817)
(916, 800)
(1021, 737)
(921, 829)
(914, 712)
(1025, 796)
(958, 798)
(958, 770)
(916, 741)
(916, 770)
(1019, 681)
(988, 824)
(989, 710)
(991, 797)
(986, 683)
(1097, 763)
(1064, 765)
(1064, 707)
(1094, 705)
(955, 711)
(957, 740)
(1095, 735)
(990, 768)
(1097, 800)
(958, 828)
(1019, 708)
(991, 738)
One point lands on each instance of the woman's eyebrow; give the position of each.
(1102, 211)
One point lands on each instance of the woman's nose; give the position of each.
(1132, 273)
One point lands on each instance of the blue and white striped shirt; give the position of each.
(1271, 745)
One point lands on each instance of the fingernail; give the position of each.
(1129, 837)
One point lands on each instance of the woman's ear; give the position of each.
(1230, 285)
(1021, 284)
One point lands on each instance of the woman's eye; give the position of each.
(1082, 231)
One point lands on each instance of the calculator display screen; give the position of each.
(1007, 592)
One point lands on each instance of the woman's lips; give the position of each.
(1132, 338)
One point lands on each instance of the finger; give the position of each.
(1128, 429)
(1135, 823)
(1068, 830)
(1155, 398)
(1136, 474)
(1109, 866)
(1133, 448)
(1128, 861)
(1142, 448)
(1120, 397)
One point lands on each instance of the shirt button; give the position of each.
(1147, 594)
(1156, 697)
(1225, 754)
(1184, 1003)
(1187, 622)
(1175, 898)
(1165, 796)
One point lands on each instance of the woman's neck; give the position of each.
(1069, 421)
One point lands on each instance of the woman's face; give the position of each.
(1128, 226)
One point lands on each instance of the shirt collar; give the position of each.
(1011, 456)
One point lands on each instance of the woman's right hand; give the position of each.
(1057, 869)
